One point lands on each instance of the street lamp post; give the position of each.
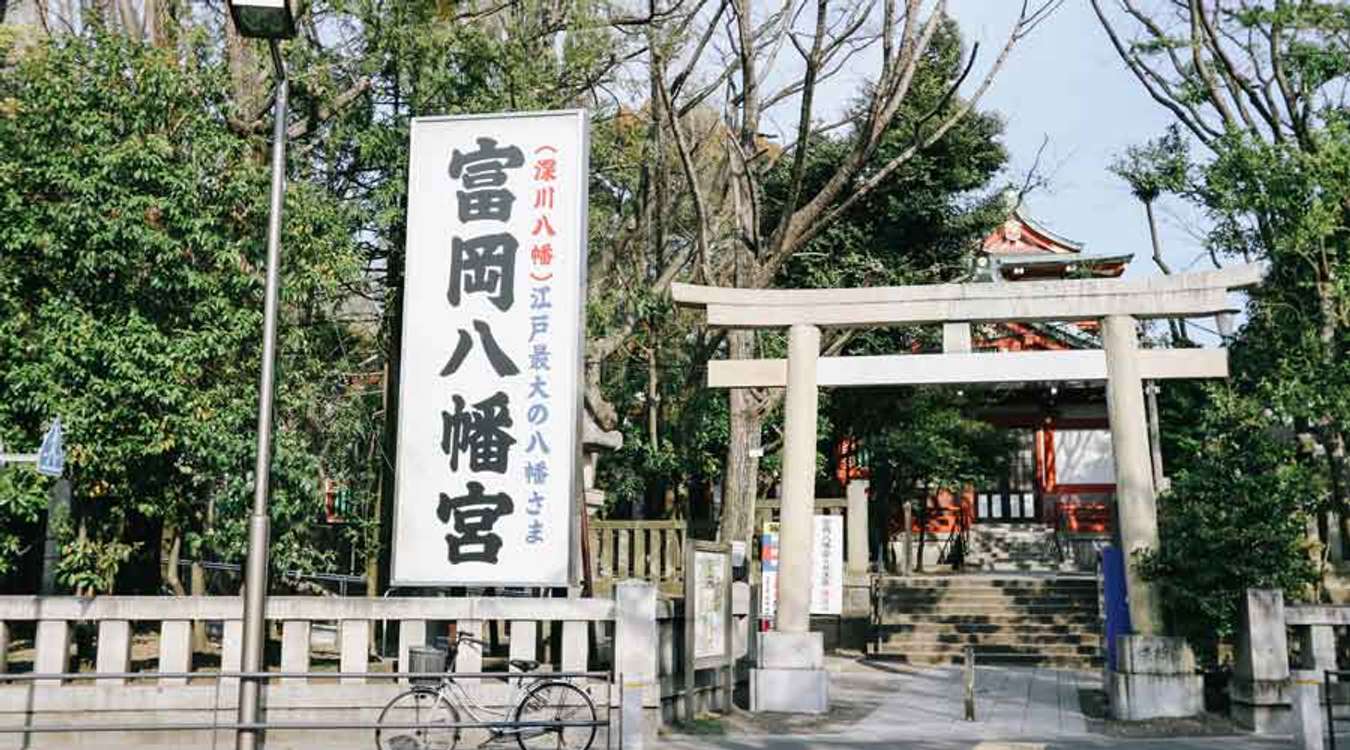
(271, 20)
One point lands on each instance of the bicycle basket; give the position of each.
(425, 659)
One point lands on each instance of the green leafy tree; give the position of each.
(919, 442)
(1242, 496)
(1260, 87)
(131, 252)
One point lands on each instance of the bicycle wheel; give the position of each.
(419, 719)
(556, 701)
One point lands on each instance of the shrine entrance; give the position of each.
(791, 675)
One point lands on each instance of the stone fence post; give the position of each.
(1260, 689)
(636, 653)
(857, 614)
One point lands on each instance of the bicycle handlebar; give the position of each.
(465, 637)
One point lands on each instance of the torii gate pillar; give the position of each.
(791, 674)
(1136, 500)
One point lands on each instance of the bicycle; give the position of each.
(427, 717)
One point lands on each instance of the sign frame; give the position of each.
(573, 482)
(727, 659)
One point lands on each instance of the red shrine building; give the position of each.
(1063, 473)
(1061, 478)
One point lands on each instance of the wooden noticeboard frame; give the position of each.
(721, 597)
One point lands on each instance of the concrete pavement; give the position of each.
(877, 705)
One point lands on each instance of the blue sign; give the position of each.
(52, 456)
(1117, 601)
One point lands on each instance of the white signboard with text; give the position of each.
(489, 391)
(711, 579)
(827, 566)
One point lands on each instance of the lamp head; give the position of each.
(264, 19)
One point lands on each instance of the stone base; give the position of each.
(792, 650)
(805, 691)
(1136, 697)
(1267, 718)
(1155, 678)
(1263, 706)
(791, 677)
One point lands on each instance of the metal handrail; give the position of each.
(291, 726)
(32, 676)
(1326, 697)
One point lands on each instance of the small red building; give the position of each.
(1063, 474)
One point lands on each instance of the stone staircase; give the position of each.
(1047, 620)
(1014, 547)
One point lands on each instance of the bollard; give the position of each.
(630, 715)
(1308, 728)
(970, 683)
(907, 547)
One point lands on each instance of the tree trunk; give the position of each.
(198, 583)
(19, 12)
(170, 544)
(742, 473)
(653, 395)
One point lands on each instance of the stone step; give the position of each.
(1071, 618)
(1065, 650)
(1030, 630)
(1041, 660)
(994, 639)
(917, 601)
(989, 581)
(983, 606)
(1001, 566)
(1009, 591)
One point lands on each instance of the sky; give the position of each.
(1065, 82)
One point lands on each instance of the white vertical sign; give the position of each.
(827, 566)
(489, 394)
(710, 588)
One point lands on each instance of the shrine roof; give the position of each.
(1022, 235)
(1026, 267)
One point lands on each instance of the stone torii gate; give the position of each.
(791, 674)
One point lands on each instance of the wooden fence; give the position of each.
(654, 550)
(649, 550)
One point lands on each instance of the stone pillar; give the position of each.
(114, 650)
(232, 653)
(791, 675)
(857, 615)
(796, 522)
(1260, 688)
(52, 653)
(295, 637)
(637, 650)
(857, 527)
(956, 338)
(175, 650)
(1135, 500)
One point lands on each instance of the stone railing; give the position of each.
(556, 632)
(1279, 690)
(768, 509)
(647, 550)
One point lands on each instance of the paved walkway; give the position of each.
(1021, 708)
